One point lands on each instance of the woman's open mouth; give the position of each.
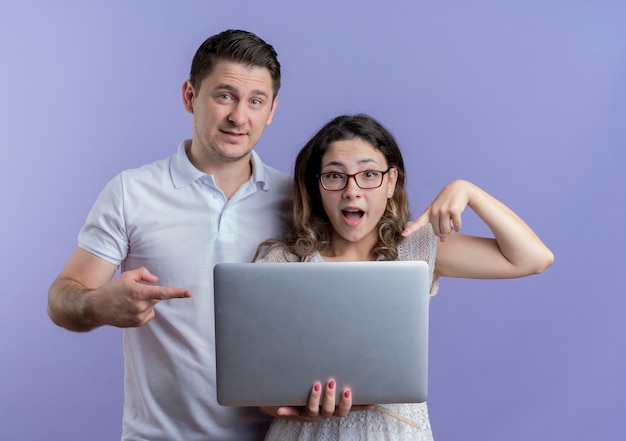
(352, 216)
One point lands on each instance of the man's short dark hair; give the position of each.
(237, 46)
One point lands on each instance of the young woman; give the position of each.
(350, 204)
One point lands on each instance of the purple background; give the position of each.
(527, 99)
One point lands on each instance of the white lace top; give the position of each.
(401, 422)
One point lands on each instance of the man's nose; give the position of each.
(238, 114)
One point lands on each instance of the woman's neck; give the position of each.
(341, 250)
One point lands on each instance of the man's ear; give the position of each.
(271, 116)
(188, 93)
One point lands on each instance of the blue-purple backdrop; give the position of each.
(527, 99)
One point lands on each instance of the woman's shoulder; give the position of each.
(420, 245)
(278, 253)
(424, 235)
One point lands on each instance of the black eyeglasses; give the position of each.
(335, 181)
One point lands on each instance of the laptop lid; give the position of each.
(281, 326)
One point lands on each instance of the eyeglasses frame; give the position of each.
(353, 176)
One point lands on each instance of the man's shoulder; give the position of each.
(275, 182)
(163, 165)
(278, 176)
(154, 173)
(272, 173)
(157, 166)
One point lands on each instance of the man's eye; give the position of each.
(256, 101)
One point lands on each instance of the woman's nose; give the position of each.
(352, 188)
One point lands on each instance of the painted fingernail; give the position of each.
(317, 387)
(331, 384)
(346, 394)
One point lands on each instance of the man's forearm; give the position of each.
(67, 306)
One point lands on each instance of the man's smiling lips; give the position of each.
(233, 134)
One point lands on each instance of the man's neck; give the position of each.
(229, 176)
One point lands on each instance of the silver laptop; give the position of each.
(281, 326)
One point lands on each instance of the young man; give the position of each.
(167, 224)
(213, 201)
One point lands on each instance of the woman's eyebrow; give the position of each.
(341, 164)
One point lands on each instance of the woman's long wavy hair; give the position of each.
(310, 228)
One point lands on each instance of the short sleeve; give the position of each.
(422, 245)
(104, 233)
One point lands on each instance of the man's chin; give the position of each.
(232, 155)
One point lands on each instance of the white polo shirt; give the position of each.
(171, 218)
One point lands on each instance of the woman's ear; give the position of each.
(393, 179)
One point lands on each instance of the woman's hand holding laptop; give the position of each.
(318, 406)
